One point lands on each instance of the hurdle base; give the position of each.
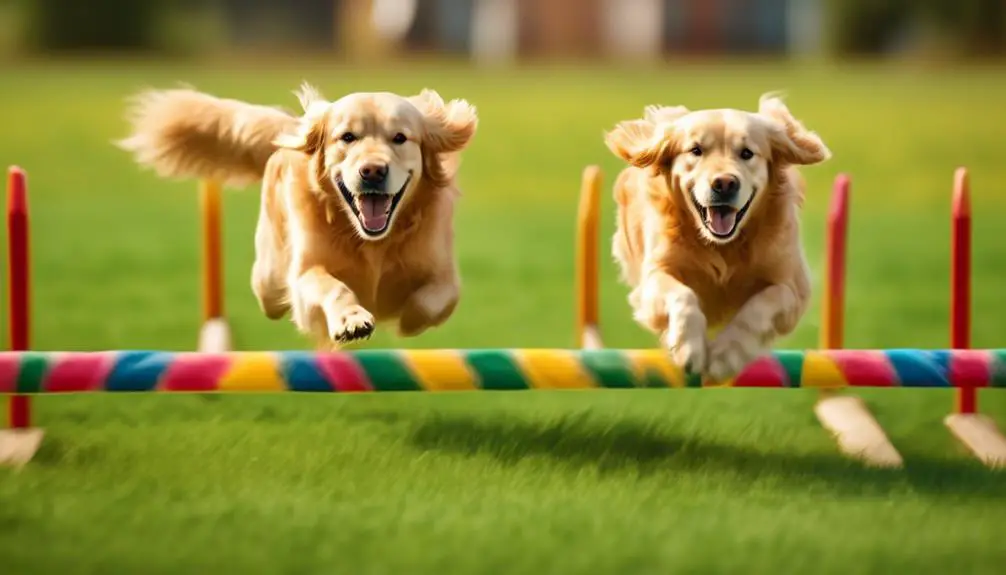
(18, 446)
(591, 338)
(215, 336)
(979, 434)
(857, 432)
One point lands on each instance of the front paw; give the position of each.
(687, 348)
(350, 323)
(732, 351)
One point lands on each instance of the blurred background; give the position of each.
(508, 30)
(903, 91)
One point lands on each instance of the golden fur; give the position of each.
(691, 272)
(318, 255)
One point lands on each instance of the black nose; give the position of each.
(374, 174)
(726, 187)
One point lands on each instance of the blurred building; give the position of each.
(636, 28)
(504, 30)
(529, 29)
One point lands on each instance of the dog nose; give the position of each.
(374, 173)
(726, 186)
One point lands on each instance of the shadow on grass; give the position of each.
(617, 447)
(56, 451)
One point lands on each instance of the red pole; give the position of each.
(960, 286)
(17, 278)
(833, 308)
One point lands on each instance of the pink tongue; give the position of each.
(374, 211)
(721, 220)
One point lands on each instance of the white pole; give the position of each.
(495, 31)
(805, 27)
(633, 29)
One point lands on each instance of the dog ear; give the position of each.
(309, 136)
(641, 143)
(658, 114)
(791, 142)
(449, 127)
(309, 96)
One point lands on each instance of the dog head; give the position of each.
(370, 151)
(718, 163)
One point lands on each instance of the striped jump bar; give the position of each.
(478, 369)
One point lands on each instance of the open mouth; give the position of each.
(722, 220)
(373, 209)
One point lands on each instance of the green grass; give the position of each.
(691, 481)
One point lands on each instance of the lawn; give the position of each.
(654, 481)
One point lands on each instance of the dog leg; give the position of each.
(665, 305)
(772, 312)
(429, 306)
(436, 297)
(322, 303)
(269, 270)
(272, 298)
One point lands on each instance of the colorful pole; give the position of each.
(480, 369)
(587, 258)
(960, 284)
(18, 283)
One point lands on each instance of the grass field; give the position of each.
(714, 481)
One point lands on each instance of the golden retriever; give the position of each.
(708, 229)
(356, 216)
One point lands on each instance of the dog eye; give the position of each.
(399, 138)
(746, 154)
(696, 151)
(348, 137)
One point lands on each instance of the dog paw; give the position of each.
(688, 349)
(685, 337)
(350, 324)
(731, 352)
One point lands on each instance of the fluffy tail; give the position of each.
(183, 133)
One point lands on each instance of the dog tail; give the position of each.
(183, 133)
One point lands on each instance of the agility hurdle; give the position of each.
(847, 418)
(25, 373)
(33, 372)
